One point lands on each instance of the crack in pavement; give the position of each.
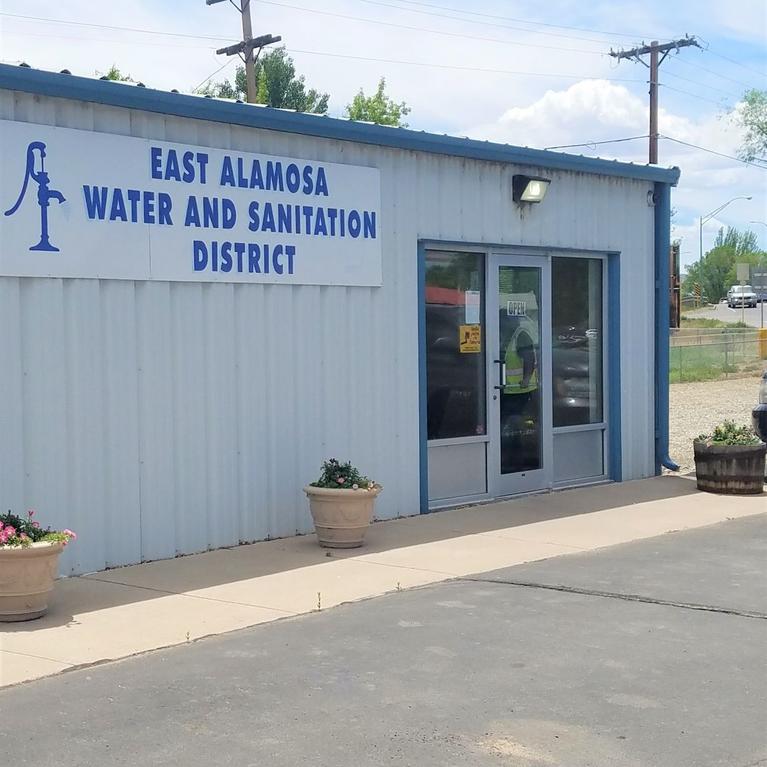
(625, 597)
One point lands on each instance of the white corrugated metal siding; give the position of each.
(162, 418)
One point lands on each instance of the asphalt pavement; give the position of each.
(751, 316)
(650, 653)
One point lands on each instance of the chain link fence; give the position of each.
(707, 354)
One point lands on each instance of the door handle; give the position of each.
(502, 363)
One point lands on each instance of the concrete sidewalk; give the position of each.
(130, 610)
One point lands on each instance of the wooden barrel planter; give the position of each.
(731, 469)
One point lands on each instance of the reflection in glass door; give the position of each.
(520, 401)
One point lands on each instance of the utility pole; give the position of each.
(245, 49)
(654, 48)
(654, 66)
(250, 64)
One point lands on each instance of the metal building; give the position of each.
(170, 379)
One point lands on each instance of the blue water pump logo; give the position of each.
(44, 194)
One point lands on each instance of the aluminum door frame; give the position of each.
(500, 485)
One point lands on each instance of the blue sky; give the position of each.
(545, 78)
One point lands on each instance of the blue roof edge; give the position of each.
(26, 79)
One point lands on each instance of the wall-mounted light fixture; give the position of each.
(529, 188)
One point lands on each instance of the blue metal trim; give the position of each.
(615, 412)
(200, 108)
(662, 246)
(423, 430)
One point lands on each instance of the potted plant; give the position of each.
(341, 502)
(29, 556)
(730, 460)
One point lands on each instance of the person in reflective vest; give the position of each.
(520, 407)
(521, 364)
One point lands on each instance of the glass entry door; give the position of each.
(519, 374)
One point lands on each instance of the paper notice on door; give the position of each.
(470, 339)
(472, 307)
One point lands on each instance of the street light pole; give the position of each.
(762, 267)
(709, 216)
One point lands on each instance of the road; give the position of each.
(648, 654)
(722, 312)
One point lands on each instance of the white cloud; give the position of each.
(590, 109)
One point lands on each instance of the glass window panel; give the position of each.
(519, 333)
(576, 358)
(455, 344)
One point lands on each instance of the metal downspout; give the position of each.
(662, 246)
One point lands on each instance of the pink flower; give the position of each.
(71, 535)
(31, 513)
(340, 480)
(10, 531)
(36, 524)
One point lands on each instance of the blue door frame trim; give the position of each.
(662, 198)
(614, 411)
(423, 455)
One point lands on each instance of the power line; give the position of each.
(703, 85)
(145, 31)
(598, 143)
(109, 26)
(713, 151)
(696, 66)
(223, 66)
(425, 29)
(524, 21)
(26, 17)
(116, 41)
(493, 24)
(433, 65)
(691, 94)
(307, 10)
(329, 54)
(707, 48)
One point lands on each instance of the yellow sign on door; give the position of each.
(470, 339)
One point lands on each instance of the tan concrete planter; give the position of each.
(26, 579)
(341, 517)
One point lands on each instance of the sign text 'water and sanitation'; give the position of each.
(83, 204)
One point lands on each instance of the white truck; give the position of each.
(741, 295)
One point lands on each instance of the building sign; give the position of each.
(83, 204)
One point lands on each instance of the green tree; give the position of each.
(378, 108)
(113, 73)
(752, 115)
(277, 85)
(716, 271)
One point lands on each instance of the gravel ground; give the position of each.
(697, 407)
